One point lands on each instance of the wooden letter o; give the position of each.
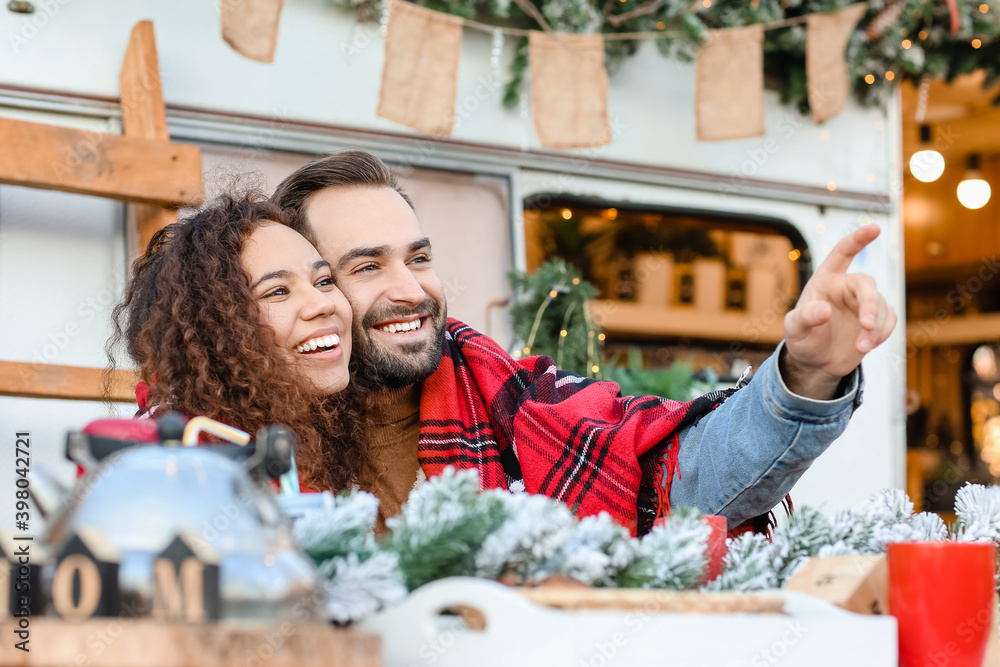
(90, 588)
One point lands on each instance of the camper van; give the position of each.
(489, 196)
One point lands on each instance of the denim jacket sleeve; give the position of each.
(743, 457)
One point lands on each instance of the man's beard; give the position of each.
(404, 364)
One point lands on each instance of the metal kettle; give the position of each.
(139, 496)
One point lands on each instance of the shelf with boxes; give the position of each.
(674, 274)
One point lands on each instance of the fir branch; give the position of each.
(672, 556)
(357, 588)
(442, 527)
(536, 528)
(747, 566)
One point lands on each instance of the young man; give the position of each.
(451, 396)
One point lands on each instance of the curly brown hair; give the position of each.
(190, 323)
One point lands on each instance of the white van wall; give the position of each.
(327, 70)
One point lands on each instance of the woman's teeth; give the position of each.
(322, 341)
(402, 326)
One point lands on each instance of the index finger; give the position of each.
(846, 250)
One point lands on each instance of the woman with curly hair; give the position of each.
(232, 315)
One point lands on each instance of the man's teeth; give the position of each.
(322, 341)
(402, 326)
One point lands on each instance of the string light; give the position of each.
(576, 281)
(600, 336)
(706, 4)
(794, 255)
(870, 178)
(869, 79)
(922, 34)
(595, 368)
(976, 43)
(890, 75)
(553, 294)
(831, 186)
(907, 43)
(660, 25)
(567, 214)
(527, 350)
(563, 333)
(984, 8)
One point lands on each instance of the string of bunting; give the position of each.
(569, 82)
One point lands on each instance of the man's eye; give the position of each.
(365, 268)
(421, 259)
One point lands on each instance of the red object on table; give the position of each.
(941, 594)
(716, 548)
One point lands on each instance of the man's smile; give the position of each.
(409, 327)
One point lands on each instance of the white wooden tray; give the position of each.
(519, 632)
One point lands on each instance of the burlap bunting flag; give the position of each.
(251, 27)
(569, 89)
(729, 91)
(826, 69)
(420, 76)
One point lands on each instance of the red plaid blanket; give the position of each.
(522, 421)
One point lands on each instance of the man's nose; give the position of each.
(403, 287)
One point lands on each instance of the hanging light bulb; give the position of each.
(927, 164)
(973, 192)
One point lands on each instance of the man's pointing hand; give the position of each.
(838, 319)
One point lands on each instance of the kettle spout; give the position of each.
(46, 491)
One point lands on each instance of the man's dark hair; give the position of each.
(350, 168)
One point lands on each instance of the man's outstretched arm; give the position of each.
(742, 458)
(745, 456)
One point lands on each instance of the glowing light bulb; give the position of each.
(974, 192)
(926, 165)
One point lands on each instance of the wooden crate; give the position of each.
(128, 642)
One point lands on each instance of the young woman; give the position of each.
(232, 315)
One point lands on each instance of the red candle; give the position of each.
(941, 594)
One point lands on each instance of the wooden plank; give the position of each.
(140, 641)
(36, 380)
(626, 318)
(51, 157)
(953, 330)
(144, 115)
(143, 111)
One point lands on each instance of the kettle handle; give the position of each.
(199, 425)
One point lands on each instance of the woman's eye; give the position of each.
(325, 282)
(278, 291)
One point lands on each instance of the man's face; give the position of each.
(383, 264)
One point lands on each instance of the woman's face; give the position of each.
(310, 317)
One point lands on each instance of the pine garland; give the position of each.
(450, 528)
(877, 47)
